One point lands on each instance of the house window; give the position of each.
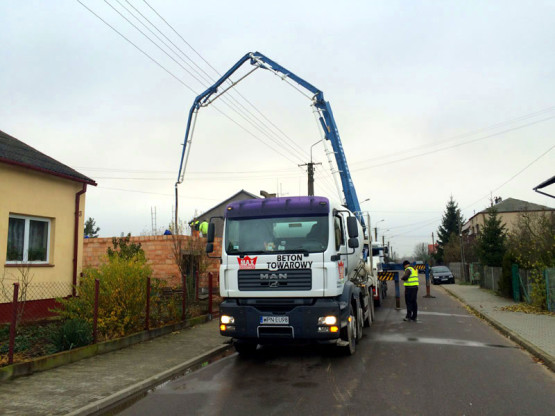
(28, 239)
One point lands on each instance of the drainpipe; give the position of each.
(76, 237)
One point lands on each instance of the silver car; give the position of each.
(441, 274)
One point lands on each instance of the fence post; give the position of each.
(183, 297)
(210, 294)
(516, 283)
(95, 314)
(397, 292)
(147, 318)
(428, 282)
(14, 323)
(196, 284)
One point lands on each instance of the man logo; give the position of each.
(274, 283)
(273, 276)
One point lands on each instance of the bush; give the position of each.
(122, 296)
(72, 334)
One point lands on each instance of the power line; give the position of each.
(219, 75)
(182, 82)
(461, 136)
(455, 145)
(427, 222)
(186, 70)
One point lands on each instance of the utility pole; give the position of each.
(310, 170)
(376, 233)
(462, 252)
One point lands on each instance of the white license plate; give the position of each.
(274, 320)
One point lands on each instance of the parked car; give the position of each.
(441, 274)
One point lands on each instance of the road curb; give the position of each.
(546, 358)
(100, 406)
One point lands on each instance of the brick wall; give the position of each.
(159, 251)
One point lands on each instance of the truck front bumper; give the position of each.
(272, 320)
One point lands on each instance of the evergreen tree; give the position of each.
(91, 230)
(491, 240)
(451, 222)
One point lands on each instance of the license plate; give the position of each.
(274, 320)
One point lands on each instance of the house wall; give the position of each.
(159, 251)
(27, 192)
(510, 219)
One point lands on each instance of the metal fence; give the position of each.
(490, 278)
(35, 300)
(28, 323)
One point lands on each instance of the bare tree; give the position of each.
(24, 278)
(421, 252)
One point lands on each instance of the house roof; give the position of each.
(517, 205)
(224, 202)
(511, 205)
(15, 152)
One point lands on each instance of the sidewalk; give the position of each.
(98, 382)
(536, 333)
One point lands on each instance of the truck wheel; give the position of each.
(245, 348)
(360, 323)
(348, 334)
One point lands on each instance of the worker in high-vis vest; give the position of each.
(203, 228)
(410, 279)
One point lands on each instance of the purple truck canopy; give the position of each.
(279, 207)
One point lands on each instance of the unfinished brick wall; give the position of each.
(159, 251)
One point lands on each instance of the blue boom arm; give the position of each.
(326, 119)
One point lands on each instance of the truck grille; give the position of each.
(251, 280)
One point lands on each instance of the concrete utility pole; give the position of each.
(310, 170)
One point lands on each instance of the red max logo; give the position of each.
(246, 262)
(341, 269)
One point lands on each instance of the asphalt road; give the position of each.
(449, 363)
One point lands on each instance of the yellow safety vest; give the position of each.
(203, 228)
(413, 278)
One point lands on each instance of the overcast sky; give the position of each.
(432, 99)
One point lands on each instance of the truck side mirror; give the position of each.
(209, 248)
(210, 236)
(352, 228)
(353, 242)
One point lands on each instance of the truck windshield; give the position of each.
(267, 235)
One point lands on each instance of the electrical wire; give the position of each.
(412, 157)
(183, 83)
(461, 136)
(208, 80)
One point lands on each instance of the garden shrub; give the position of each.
(122, 296)
(73, 333)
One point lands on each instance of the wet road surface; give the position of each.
(448, 363)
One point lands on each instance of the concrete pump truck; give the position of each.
(293, 269)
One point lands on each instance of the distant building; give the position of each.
(507, 210)
(219, 210)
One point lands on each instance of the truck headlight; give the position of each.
(327, 320)
(226, 319)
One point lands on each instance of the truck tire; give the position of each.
(348, 334)
(245, 348)
(360, 323)
(368, 321)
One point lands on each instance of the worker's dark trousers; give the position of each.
(410, 300)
